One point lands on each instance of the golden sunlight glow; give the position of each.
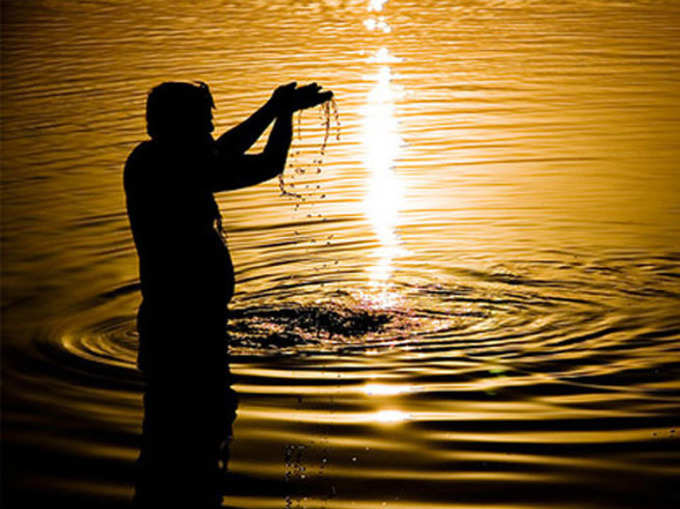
(376, 5)
(383, 390)
(390, 416)
(377, 24)
(383, 56)
(385, 192)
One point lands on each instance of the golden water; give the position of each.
(476, 304)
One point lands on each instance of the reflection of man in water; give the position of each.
(187, 277)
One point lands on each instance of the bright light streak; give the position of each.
(385, 192)
(383, 56)
(384, 390)
(390, 416)
(377, 24)
(376, 5)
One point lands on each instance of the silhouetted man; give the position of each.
(187, 278)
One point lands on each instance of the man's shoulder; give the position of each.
(142, 153)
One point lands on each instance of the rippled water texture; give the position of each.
(475, 305)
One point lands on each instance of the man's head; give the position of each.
(179, 111)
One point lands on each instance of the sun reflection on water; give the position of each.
(383, 200)
(376, 5)
(390, 416)
(377, 24)
(384, 390)
(383, 56)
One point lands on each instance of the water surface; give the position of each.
(475, 305)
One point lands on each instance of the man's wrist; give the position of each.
(270, 108)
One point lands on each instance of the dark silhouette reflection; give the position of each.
(185, 442)
(187, 279)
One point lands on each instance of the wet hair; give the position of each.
(173, 106)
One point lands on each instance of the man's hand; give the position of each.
(289, 99)
(309, 96)
(282, 98)
(241, 169)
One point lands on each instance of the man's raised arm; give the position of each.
(250, 169)
(236, 169)
(240, 138)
